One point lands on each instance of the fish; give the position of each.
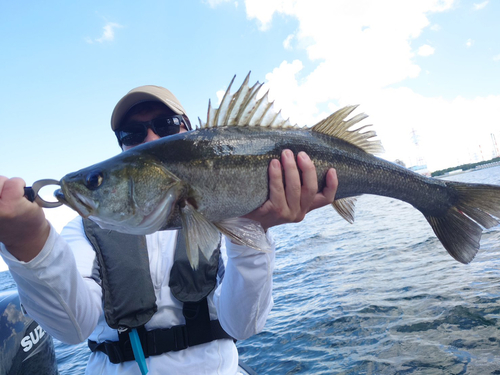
(204, 181)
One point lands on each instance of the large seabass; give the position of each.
(202, 180)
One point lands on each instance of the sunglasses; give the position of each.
(135, 132)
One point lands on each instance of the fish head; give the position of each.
(129, 193)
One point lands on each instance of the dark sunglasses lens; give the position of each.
(167, 126)
(133, 135)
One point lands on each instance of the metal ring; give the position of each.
(37, 185)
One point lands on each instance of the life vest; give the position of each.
(129, 299)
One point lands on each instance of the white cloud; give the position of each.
(479, 6)
(12, 314)
(287, 42)
(395, 112)
(215, 3)
(356, 51)
(469, 43)
(263, 10)
(108, 34)
(220, 95)
(288, 95)
(496, 57)
(426, 50)
(354, 44)
(435, 27)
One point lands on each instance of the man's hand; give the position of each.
(23, 227)
(290, 203)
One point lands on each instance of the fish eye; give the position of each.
(94, 180)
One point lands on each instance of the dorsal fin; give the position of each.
(337, 126)
(244, 109)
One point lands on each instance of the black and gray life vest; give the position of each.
(129, 299)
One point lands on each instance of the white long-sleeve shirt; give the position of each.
(57, 290)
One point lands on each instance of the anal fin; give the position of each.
(345, 208)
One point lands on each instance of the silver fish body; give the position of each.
(226, 168)
(198, 180)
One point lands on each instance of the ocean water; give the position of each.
(380, 296)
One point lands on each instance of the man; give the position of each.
(60, 280)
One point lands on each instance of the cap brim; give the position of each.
(139, 95)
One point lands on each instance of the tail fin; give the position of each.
(459, 230)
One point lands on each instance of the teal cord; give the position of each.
(138, 352)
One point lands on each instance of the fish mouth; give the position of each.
(60, 196)
(78, 202)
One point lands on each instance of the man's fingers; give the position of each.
(293, 186)
(11, 188)
(326, 196)
(332, 183)
(309, 181)
(276, 188)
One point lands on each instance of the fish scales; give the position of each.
(202, 180)
(235, 161)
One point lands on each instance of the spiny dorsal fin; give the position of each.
(244, 109)
(337, 126)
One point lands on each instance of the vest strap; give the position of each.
(199, 329)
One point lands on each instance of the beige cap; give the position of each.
(145, 94)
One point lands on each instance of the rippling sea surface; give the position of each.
(380, 296)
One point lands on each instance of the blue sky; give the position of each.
(424, 65)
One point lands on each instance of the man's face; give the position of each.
(148, 116)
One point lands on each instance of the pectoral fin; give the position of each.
(202, 236)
